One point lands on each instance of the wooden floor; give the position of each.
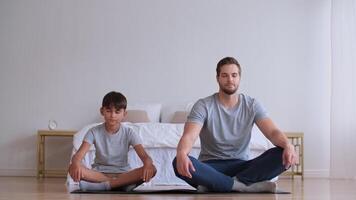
(13, 188)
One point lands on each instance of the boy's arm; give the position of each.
(149, 169)
(75, 166)
(79, 155)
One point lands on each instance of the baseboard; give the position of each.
(322, 173)
(18, 172)
(32, 172)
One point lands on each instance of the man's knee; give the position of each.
(155, 171)
(174, 164)
(276, 150)
(276, 155)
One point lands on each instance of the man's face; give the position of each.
(229, 79)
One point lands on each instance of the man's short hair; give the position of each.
(114, 99)
(227, 61)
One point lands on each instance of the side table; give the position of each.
(297, 140)
(41, 138)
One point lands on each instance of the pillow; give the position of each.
(136, 116)
(168, 112)
(153, 110)
(180, 117)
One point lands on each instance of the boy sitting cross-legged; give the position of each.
(112, 140)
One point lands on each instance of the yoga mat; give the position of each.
(169, 191)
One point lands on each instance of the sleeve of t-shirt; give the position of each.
(89, 137)
(198, 113)
(135, 139)
(260, 111)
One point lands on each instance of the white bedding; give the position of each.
(160, 141)
(162, 158)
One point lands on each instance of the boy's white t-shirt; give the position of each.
(111, 150)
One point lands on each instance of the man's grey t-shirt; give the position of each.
(111, 150)
(226, 133)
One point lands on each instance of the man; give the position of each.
(224, 122)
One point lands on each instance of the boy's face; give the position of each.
(112, 116)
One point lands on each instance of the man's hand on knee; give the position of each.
(184, 165)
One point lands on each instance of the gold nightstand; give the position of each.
(297, 140)
(41, 138)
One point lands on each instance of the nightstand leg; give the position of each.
(40, 156)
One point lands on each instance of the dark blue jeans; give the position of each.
(216, 175)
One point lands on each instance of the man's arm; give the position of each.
(270, 130)
(190, 134)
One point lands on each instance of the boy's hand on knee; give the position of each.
(75, 172)
(149, 171)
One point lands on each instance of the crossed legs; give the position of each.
(94, 180)
(218, 175)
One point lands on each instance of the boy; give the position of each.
(110, 169)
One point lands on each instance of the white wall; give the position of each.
(58, 59)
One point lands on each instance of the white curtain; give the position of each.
(343, 95)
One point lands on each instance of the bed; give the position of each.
(160, 141)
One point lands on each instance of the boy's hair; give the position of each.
(114, 99)
(226, 61)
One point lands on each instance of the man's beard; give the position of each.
(229, 91)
